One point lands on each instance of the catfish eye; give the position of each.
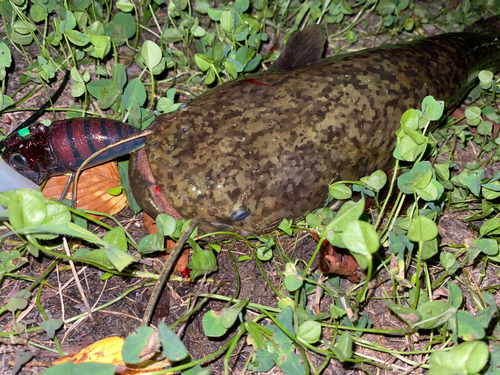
(241, 215)
(18, 161)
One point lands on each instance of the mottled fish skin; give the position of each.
(265, 147)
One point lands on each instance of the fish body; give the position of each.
(265, 146)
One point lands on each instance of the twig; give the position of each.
(77, 280)
(155, 294)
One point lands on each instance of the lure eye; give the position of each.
(240, 215)
(18, 161)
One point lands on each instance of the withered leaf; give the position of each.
(93, 186)
(339, 262)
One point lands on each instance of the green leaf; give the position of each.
(214, 14)
(201, 261)
(435, 314)
(108, 96)
(27, 208)
(151, 243)
(286, 226)
(407, 149)
(119, 76)
(339, 191)
(21, 359)
(443, 171)
(289, 362)
(319, 218)
(68, 23)
(465, 358)
(81, 369)
(343, 349)
(253, 63)
(116, 237)
(166, 105)
(422, 229)
(263, 360)
(78, 89)
(230, 69)
(37, 13)
(212, 325)
(96, 258)
(51, 326)
(409, 315)
(256, 335)
(309, 331)
(125, 5)
(7, 102)
(135, 93)
(349, 214)
(171, 35)
(230, 314)
(490, 227)
(377, 180)
(293, 280)
(19, 301)
(264, 252)
(101, 45)
(360, 237)
(429, 249)
(473, 115)
(485, 316)
(95, 87)
(491, 190)
(486, 78)
(455, 296)
(473, 181)
(82, 4)
(285, 319)
(468, 328)
(449, 262)
(151, 54)
(127, 21)
(119, 258)
(227, 21)
(198, 31)
(201, 6)
(488, 246)
(436, 108)
(167, 224)
(241, 5)
(135, 343)
(172, 346)
(203, 61)
(431, 192)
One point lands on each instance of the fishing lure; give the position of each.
(39, 152)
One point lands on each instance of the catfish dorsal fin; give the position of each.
(303, 48)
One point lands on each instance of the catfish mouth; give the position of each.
(213, 224)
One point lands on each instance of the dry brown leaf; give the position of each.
(336, 261)
(92, 189)
(149, 223)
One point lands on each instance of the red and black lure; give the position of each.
(39, 152)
